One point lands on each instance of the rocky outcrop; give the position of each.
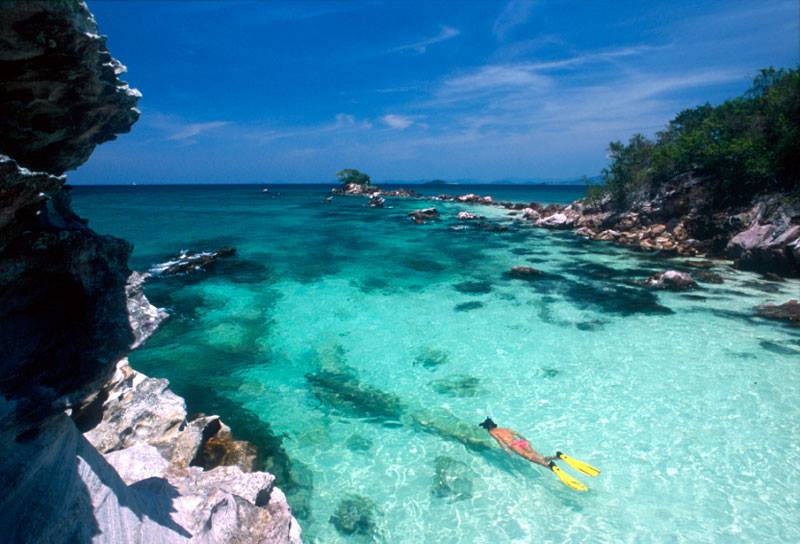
(142, 429)
(62, 294)
(70, 309)
(788, 311)
(468, 216)
(355, 189)
(684, 217)
(376, 201)
(421, 216)
(191, 261)
(61, 94)
(373, 191)
(771, 241)
(671, 280)
(144, 318)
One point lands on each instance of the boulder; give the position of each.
(468, 216)
(671, 280)
(767, 248)
(421, 216)
(555, 221)
(220, 505)
(469, 197)
(133, 408)
(788, 311)
(530, 213)
(376, 201)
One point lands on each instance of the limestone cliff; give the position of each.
(68, 315)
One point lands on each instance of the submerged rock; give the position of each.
(354, 515)
(431, 358)
(190, 261)
(376, 201)
(358, 443)
(709, 277)
(452, 479)
(788, 311)
(780, 349)
(698, 263)
(473, 287)
(524, 272)
(461, 385)
(671, 280)
(342, 390)
(467, 306)
(445, 425)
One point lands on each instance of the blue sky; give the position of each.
(265, 92)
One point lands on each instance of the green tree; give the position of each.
(747, 145)
(351, 175)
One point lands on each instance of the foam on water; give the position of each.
(368, 349)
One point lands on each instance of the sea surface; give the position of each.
(360, 351)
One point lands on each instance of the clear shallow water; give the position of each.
(306, 343)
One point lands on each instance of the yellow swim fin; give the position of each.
(586, 468)
(566, 479)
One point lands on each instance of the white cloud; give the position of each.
(515, 13)
(528, 76)
(190, 130)
(397, 121)
(446, 33)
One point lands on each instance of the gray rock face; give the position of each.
(220, 505)
(62, 298)
(144, 318)
(64, 322)
(60, 490)
(771, 243)
(133, 408)
(62, 293)
(60, 95)
(142, 428)
(65, 491)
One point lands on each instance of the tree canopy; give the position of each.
(750, 144)
(351, 175)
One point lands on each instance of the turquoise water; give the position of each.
(360, 351)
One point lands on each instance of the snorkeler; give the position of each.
(512, 441)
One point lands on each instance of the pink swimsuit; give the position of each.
(520, 443)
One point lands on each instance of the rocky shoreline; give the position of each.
(90, 449)
(680, 219)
